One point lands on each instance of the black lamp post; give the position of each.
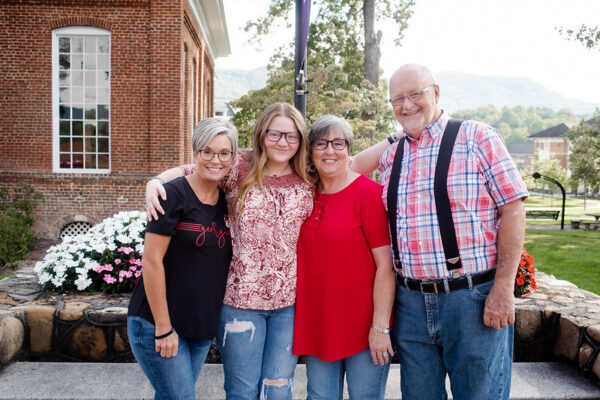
(537, 175)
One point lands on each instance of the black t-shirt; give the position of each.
(196, 262)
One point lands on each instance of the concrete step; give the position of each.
(99, 381)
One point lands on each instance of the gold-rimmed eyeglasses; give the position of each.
(414, 96)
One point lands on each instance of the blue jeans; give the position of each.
(171, 378)
(366, 380)
(256, 348)
(439, 334)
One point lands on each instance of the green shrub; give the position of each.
(16, 219)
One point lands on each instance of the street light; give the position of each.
(537, 175)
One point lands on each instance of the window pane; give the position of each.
(64, 61)
(63, 78)
(65, 128)
(102, 111)
(65, 161)
(77, 61)
(90, 61)
(103, 61)
(77, 128)
(90, 95)
(90, 78)
(77, 44)
(65, 144)
(77, 160)
(77, 95)
(63, 95)
(103, 46)
(64, 112)
(103, 78)
(103, 161)
(103, 129)
(77, 78)
(103, 95)
(63, 45)
(103, 145)
(90, 145)
(90, 129)
(77, 144)
(90, 161)
(78, 111)
(90, 112)
(90, 44)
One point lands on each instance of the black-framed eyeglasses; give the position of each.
(336, 144)
(274, 135)
(414, 96)
(223, 155)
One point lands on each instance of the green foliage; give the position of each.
(517, 123)
(552, 169)
(586, 35)
(584, 159)
(335, 60)
(16, 218)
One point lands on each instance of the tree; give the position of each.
(586, 35)
(584, 159)
(339, 60)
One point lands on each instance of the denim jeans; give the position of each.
(439, 334)
(171, 378)
(256, 349)
(366, 380)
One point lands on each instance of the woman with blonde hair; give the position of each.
(269, 197)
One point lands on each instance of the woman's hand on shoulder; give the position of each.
(154, 188)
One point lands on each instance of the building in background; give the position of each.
(552, 143)
(523, 155)
(97, 96)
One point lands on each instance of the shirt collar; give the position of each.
(435, 128)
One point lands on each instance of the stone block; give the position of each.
(72, 311)
(563, 300)
(40, 322)
(121, 343)
(594, 332)
(568, 341)
(12, 336)
(109, 315)
(45, 299)
(596, 367)
(528, 324)
(88, 342)
(585, 352)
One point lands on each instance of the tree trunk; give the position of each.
(372, 43)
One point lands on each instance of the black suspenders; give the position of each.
(442, 202)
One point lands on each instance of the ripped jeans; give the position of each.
(256, 348)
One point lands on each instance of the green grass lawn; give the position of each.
(3, 276)
(574, 209)
(570, 255)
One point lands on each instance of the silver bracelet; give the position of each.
(380, 330)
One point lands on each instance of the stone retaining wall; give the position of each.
(558, 322)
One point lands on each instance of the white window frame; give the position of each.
(75, 31)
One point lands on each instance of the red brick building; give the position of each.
(99, 95)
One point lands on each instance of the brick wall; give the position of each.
(148, 103)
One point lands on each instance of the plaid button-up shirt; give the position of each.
(481, 177)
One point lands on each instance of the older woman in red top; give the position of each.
(345, 276)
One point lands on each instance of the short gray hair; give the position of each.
(210, 127)
(325, 124)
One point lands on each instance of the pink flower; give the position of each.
(125, 250)
(109, 279)
(117, 261)
(122, 273)
(138, 273)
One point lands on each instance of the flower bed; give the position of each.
(107, 258)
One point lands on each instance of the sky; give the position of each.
(485, 37)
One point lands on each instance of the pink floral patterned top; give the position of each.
(262, 274)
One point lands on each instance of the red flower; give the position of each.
(520, 281)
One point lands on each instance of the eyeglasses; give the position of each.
(208, 155)
(414, 96)
(275, 135)
(336, 144)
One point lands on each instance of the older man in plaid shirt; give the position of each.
(463, 328)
